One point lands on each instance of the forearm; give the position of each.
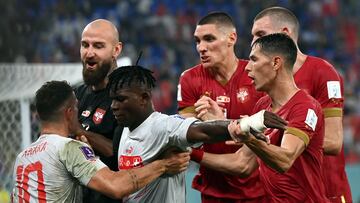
(99, 143)
(125, 182)
(276, 157)
(209, 131)
(240, 164)
(333, 139)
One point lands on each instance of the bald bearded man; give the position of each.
(100, 47)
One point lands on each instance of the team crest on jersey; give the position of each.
(223, 99)
(88, 152)
(98, 115)
(129, 162)
(85, 113)
(242, 94)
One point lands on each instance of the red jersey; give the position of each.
(320, 80)
(303, 181)
(239, 97)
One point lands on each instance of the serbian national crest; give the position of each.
(98, 115)
(242, 94)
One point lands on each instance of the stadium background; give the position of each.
(48, 32)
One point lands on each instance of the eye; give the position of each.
(84, 44)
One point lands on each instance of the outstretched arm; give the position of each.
(216, 130)
(124, 182)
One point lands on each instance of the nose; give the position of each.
(89, 52)
(248, 67)
(254, 39)
(114, 105)
(201, 47)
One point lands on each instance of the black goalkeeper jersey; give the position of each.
(95, 115)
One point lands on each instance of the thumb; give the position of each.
(83, 139)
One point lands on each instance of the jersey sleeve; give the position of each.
(186, 94)
(177, 128)
(80, 160)
(329, 90)
(304, 121)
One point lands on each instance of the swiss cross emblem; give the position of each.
(242, 95)
(128, 162)
(98, 115)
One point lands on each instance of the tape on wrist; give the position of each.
(255, 121)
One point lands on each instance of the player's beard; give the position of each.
(98, 75)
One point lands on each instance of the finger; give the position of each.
(83, 139)
(259, 136)
(232, 142)
(202, 113)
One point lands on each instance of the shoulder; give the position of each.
(195, 70)
(321, 66)
(80, 90)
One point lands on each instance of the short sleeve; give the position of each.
(80, 160)
(177, 127)
(304, 121)
(186, 93)
(329, 90)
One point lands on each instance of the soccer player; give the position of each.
(221, 76)
(52, 168)
(147, 132)
(320, 79)
(290, 165)
(100, 47)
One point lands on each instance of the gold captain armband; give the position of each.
(298, 133)
(333, 112)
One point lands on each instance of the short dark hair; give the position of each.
(131, 75)
(280, 14)
(50, 98)
(278, 43)
(219, 18)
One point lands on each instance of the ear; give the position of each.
(277, 62)
(286, 30)
(117, 50)
(68, 112)
(232, 39)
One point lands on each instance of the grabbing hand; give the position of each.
(272, 120)
(176, 161)
(208, 109)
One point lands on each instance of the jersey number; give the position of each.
(22, 178)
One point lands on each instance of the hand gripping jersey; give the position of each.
(144, 144)
(239, 97)
(51, 170)
(303, 181)
(320, 80)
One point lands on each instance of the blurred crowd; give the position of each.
(49, 31)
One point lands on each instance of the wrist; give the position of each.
(196, 155)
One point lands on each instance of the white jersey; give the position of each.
(52, 168)
(144, 144)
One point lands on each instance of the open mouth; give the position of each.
(204, 59)
(91, 64)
